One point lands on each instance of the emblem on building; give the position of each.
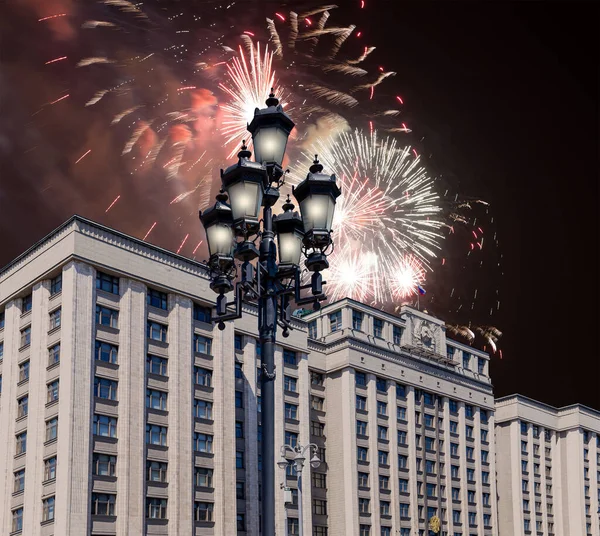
(425, 335)
(435, 525)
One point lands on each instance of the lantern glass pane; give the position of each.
(245, 199)
(220, 240)
(317, 212)
(269, 144)
(290, 248)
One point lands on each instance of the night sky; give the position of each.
(505, 99)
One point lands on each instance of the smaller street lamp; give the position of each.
(290, 232)
(298, 461)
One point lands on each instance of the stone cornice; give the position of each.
(402, 358)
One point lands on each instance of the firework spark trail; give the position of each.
(332, 96)
(182, 243)
(407, 275)
(126, 7)
(317, 10)
(97, 97)
(362, 57)
(340, 39)
(137, 133)
(113, 203)
(293, 31)
(58, 100)
(380, 79)
(344, 69)
(85, 62)
(55, 60)
(91, 24)
(83, 156)
(117, 118)
(52, 17)
(275, 38)
(313, 41)
(196, 248)
(149, 230)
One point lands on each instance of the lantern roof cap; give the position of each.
(272, 114)
(219, 212)
(318, 182)
(244, 166)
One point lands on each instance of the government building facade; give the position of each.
(126, 412)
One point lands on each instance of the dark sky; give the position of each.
(509, 95)
(505, 96)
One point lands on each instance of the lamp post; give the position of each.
(297, 461)
(232, 231)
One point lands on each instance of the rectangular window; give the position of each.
(363, 505)
(156, 399)
(106, 352)
(240, 522)
(292, 526)
(428, 399)
(289, 357)
(471, 475)
(404, 509)
(50, 468)
(428, 420)
(397, 334)
(363, 480)
(239, 430)
(2, 319)
(312, 329)
(22, 406)
(317, 428)
(239, 459)
(27, 304)
(357, 320)
(290, 383)
(430, 467)
(484, 456)
(483, 416)
(203, 477)
(466, 360)
(52, 429)
(104, 426)
(291, 411)
(203, 511)
(468, 411)
(401, 437)
(158, 332)
(480, 365)
(361, 403)
(156, 365)
(54, 355)
(402, 461)
(156, 508)
(291, 439)
(319, 507)
(377, 327)
(484, 436)
(362, 454)
(400, 413)
(384, 482)
(103, 504)
(55, 319)
(454, 471)
(26, 336)
(523, 427)
(360, 379)
(156, 435)
(203, 376)
(107, 317)
(107, 283)
(239, 371)
(17, 519)
(361, 428)
(316, 378)
(19, 481)
(455, 494)
(470, 453)
(381, 408)
(403, 485)
(202, 314)
(203, 442)
(105, 388)
(485, 477)
(319, 480)
(472, 518)
(103, 465)
(203, 409)
(335, 321)
(156, 471)
(157, 299)
(1, 350)
(456, 516)
(317, 403)
(471, 496)
(381, 385)
(239, 399)
(453, 406)
(384, 510)
(382, 457)
(382, 432)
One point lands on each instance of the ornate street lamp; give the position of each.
(271, 284)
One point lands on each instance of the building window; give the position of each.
(361, 428)
(527, 525)
(316, 378)
(469, 431)
(52, 429)
(203, 511)
(107, 283)
(317, 403)
(382, 457)
(317, 428)
(377, 327)
(106, 352)
(105, 426)
(384, 482)
(363, 505)
(487, 520)
(54, 355)
(157, 299)
(401, 437)
(19, 481)
(357, 320)
(403, 485)
(382, 433)
(202, 409)
(472, 518)
(365, 530)
(105, 388)
(107, 317)
(384, 510)
(156, 435)
(50, 468)
(400, 413)
(485, 477)
(319, 531)
(400, 391)
(22, 406)
(156, 399)
(523, 447)
(239, 430)
(289, 357)
(471, 496)
(363, 480)
(430, 467)
(402, 461)
(484, 456)
(470, 454)
(239, 459)
(48, 509)
(1, 350)
(483, 416)
(26, 336)
(241, 522)
(362, 454)
(292, 526)
(360, 379)
(291, 439)
(291, 411)
(335, 321)
(361, 403)
(453, 449)
(471, 475)
(203, 377)
(203, 442)
(289, 384)
(397, 334)
(480, 365)
(103, 504)
(454, 471)
(204, 477)
(455, 494)
(202, 314)
(156, 365)
(466, 360)
(484, 436)
(17, 520)
(239, 399)
(523, 427)
(381, 408)
(239, 371)
(2, 319)
(27, 304)
(156, 508)
(381, 385)
(55, 319)
(103, 464)
(158, 332)
(428, 420)
(453, 406)
(319, 507)
(312, 329)
(485, 498)
(468, 411)
(456, 516)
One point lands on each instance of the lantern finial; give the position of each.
(316, 167)
(272, 100)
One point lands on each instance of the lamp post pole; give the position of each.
(298, 461)
(232, 230)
